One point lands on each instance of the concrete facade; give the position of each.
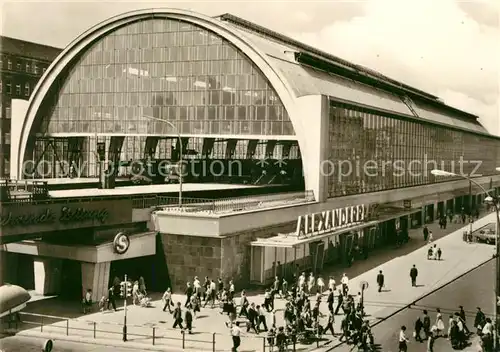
(226, 257)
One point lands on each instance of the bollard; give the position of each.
(294, 343)
(154, 329)
(183, 339)
(213, 342)
(95, 329)
(67, 327)
(41, 324)
(264, 344)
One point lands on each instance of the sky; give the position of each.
(448, 48)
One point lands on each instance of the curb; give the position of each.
(399, 310)
(100, 342)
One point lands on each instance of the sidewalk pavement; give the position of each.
(458, 259)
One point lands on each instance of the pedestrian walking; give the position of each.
(345, 284)
(430, 253)
(178, 316)
(431, 340)
(188, 317)
(244, 303)
(261, 318)
(236, 336)
(331, 283)
(403, 340)
(451, 322)
(480, 320)
(464, 320)
(340, 301)
(111, 298)
(320, 285)
(135, 293)
(188, 292)
(310, 284)
(435, 252)
(417, 334)
(380, 281)
(167, 300)
(330, 323)
(284, 288)
(426, 324)
(413, 275)
(439, 323)
(431, 237)
(330, 300)
(87, 301)
(439, 253)
(425, 231)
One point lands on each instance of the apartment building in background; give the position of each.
(22, 64)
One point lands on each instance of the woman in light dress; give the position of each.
(320, 285)
(310, 284)
(439, 323)
(331, 283)
(431, 237)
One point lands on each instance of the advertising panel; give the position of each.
(34, 218)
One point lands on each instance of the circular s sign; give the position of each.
(121, 243)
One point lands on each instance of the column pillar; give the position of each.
(47, 275)
(95, 276)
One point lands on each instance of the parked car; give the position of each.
(486, 236)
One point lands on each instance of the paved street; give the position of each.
(458, 258)
(34, 344)
(475, 289)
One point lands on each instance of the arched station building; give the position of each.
(233, 90)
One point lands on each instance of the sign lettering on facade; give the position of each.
(313, 224)
(48, 216)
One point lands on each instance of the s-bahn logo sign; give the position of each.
(121, 243)
(66, 215)
(331, 220)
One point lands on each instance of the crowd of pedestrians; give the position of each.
(456, 332)
(303, 318)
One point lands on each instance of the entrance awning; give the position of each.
(291, 240)
(389, 213)
(141, 245)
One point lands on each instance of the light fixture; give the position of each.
(437, 172)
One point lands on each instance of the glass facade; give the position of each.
(370, 152)
(171, 70)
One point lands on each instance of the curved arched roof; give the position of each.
(76, 48)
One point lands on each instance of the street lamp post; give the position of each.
(179, 139)
(493, 199)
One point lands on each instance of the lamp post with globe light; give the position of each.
(180, 166)
(488, 199)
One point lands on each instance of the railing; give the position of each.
(238, 204)
(157, 335)
(23, 190)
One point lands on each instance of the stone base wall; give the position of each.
(190, 256)
(236, 260)
(225, 257)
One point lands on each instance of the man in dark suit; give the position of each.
(178, 316)
(111, 298)
(252, 318)
(380, 281)
(340, 301)
(330, 300)
(413, 275)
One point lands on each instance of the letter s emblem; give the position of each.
(121, 243)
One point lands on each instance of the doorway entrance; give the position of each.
(71, 280)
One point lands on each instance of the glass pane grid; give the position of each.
(370, 153)
(171, 70)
